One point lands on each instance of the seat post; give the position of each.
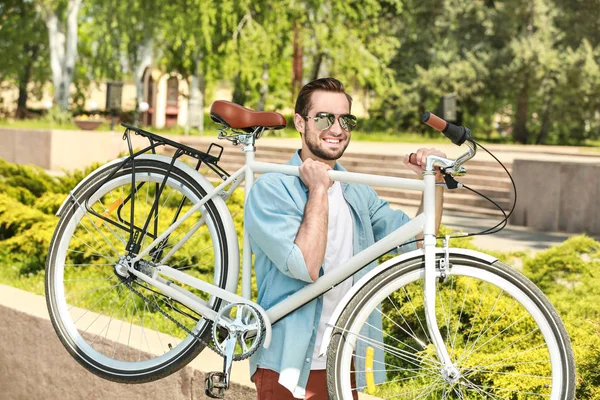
(249, 150)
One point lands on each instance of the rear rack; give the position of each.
(155, 140)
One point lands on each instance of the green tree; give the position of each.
(193, 46)
(121, 37)
(25, 45)
(354, 41)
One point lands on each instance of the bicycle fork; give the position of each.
(449, 371)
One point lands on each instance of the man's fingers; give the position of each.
(418, 160)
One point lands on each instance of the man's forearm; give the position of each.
(312, 234)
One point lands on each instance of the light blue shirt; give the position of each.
(273, 214)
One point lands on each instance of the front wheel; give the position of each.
(505, 339)
(121, 328)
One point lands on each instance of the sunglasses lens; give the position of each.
(324, 121)
(348, 121)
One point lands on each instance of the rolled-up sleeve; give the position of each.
(272, 220)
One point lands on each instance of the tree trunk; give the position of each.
(239, 93)
(543, 135)
(264, 88)
(317, 66)
(144, 60)
(201, 98)
(63, 50)
(296, 61)
(520, 127)
(21, 111)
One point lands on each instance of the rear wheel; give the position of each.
(505, 339)
(122, 329)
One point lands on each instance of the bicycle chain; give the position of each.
(179, 324)
(188, 331)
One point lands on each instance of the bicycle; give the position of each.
(143, 268)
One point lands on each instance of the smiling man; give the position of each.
(303, 228)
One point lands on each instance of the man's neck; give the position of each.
(305, 155)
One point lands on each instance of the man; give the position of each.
(302, 228)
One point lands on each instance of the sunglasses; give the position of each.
(324, 121)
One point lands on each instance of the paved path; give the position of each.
(511, 238)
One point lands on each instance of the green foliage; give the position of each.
(524, 70)
(25, 182)
(57, 117)
(571, 265)
(17, 218)
(569, 275)
(49, 203)
(67, 182)
(24, 45)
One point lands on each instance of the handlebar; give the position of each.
(457, 134)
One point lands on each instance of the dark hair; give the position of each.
(303, 102)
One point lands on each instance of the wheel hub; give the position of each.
(451, 374)
(121, 268)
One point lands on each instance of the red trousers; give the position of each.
(267, 387)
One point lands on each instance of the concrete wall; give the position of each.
(557, 196)
(35, 365)
(59, 149)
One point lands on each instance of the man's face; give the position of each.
(324, 145)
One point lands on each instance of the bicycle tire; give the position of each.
(536, 364)
(97, 317)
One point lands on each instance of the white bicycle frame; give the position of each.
(424, 222)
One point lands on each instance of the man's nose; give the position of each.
(336, 128)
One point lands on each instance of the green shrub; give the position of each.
(17, 218)
(66, 183)
(58, 116)
(21, 194)
(29, 177)
(49, 203)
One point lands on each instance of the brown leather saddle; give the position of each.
(235, 116)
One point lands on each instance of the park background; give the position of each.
(521, 72)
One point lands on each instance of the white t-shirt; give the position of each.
(339, 249)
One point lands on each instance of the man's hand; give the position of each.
(416, 161)
(314, 175)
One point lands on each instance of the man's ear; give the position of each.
(299, 122)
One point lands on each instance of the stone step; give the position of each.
(448, 207)
(235, 160)
(450, 197)
(349, 158)
(488, 177)
(500, 186)
(488, 174)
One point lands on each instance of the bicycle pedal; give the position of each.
(215, 385)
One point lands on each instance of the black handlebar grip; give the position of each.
(457, 134)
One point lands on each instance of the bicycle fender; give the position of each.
(223, 211)
(378, 270)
